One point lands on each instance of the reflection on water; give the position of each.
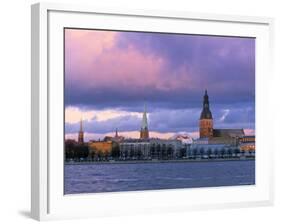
(93, 178)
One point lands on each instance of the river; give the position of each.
(93, 178)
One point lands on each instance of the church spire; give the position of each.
(206, 119)
(81, 133)
(144, 119)
(116, 133)
(144, 134)
(81, 125)
(206, 113)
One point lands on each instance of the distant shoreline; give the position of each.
(156, 161)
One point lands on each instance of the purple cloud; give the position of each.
(169, 72)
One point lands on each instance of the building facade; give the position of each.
(206, 119)
(247, 143)
(152, 148)
(116, 138)
(219, 150)
(209, 135)
(100, 149)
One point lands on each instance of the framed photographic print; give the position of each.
(148, 111)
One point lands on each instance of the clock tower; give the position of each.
(206, 119)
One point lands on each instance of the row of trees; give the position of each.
(78, 152)
(81, 152)
(75, 151)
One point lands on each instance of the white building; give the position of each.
(151, 148)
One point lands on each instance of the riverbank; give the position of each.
(157, 161)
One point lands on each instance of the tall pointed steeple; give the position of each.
(81, 125)
(116, 133)
(206, 119)
(81, 133)
(144, 119)
(144, 134)
(206, 113)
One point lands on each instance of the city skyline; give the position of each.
(110, 75)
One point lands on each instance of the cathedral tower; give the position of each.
(206, 119)
(81, 133)
(144, 134)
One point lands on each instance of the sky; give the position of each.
(110, 75)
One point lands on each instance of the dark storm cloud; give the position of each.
(168, 72)
(223, 65)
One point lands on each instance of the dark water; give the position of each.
(151, 176)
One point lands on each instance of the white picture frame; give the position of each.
(47, 198)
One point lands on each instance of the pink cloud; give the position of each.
(94, 58)
(82, 46)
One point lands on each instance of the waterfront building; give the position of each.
(144, 133)
(202, 150)
(100, 149)
(151, 148)
(109, 147)
(215, 142)
(227, 136)
(81, 133)
(206, 119)
(116, 138)
(247, 143)
(209, 135)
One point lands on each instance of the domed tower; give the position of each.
(81, 134)
(144, 134)
(206, 119)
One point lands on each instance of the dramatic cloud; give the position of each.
(110, 75)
